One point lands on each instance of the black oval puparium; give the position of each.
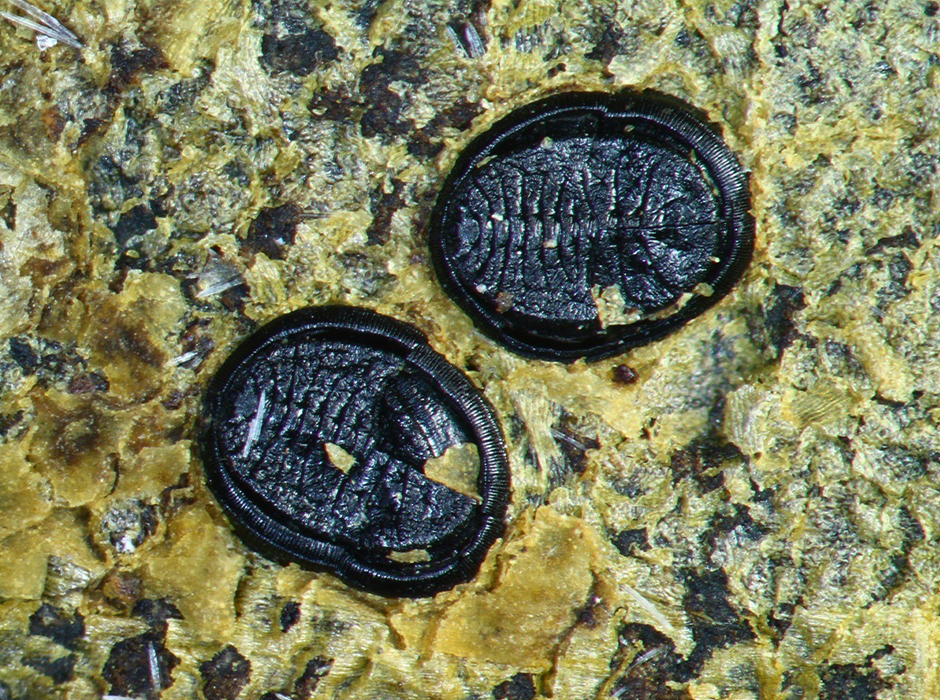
(322, 430)
(588, 223)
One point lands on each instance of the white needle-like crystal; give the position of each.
(47, 27)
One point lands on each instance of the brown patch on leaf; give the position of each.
(74, 446)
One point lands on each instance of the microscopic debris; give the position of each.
(588, 223)
(335, 437)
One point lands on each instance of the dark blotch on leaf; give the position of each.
(384, 205)
(57, 625)
(703, 460)
(8, 214)
(225, 675)
(88, 383)
(127, 63)
(573, 443)
(427, 142)
(649, 662)
(334, 105)
(299, 54)
(739, 522)
(519, 687)
(367, 13)
(906, 239)
(316, 669)
(780, 620)
(60, 670)
(24, 355)
(9, 421)
(778, 318)
(128, 668)
(612, 42)
(853, 681)
(290, 615)
(273, 231)
(134, 222)
(715, 624)
(156, 612)
(384, 105)
(629, 542)
(110, 184)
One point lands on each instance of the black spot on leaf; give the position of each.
(715, 624)
(519, 687)
(290, 615)
(273, 231)
(573, 443)
(629, 542)
(60, 670)
(384, 205)
(24, 355)
(780, 620)
(225, 675)
(778, 317)
(127, 63)
(135, 222)
(301, 53)
(851, 682)
(57, 625)
(739, 522)
(383, 105)
(703, 460)
(156, 612)
(649, 662)
(624, 374)
(134, 664)
(315, 670)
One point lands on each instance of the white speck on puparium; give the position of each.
(254, 429)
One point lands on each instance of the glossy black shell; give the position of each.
(371, 386)
(581, 196)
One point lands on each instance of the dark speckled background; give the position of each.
(746, 509)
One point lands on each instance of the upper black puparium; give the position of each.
(374, 388)
(580, 193)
